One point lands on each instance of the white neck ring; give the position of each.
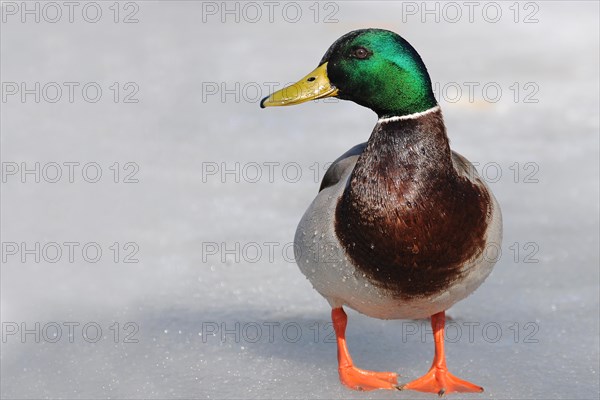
(409, 116)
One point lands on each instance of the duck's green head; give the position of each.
(375, 68)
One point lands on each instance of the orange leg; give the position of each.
(438, 379)
(352, 377)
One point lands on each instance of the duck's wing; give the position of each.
(464, 168)
(337, 169)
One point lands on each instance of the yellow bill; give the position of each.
(313, 86)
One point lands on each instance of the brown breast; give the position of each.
(407, 220)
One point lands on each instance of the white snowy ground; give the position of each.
(544, 313)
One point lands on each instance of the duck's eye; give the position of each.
(361, 53)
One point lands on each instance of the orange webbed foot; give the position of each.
(350, 376)
(360, 379)
(440, 381)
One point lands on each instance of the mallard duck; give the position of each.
(401, 223)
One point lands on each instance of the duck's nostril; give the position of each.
(312, 78)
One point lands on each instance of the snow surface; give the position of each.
(177, 294)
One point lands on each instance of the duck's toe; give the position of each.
(360, 379)
(440, 381)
